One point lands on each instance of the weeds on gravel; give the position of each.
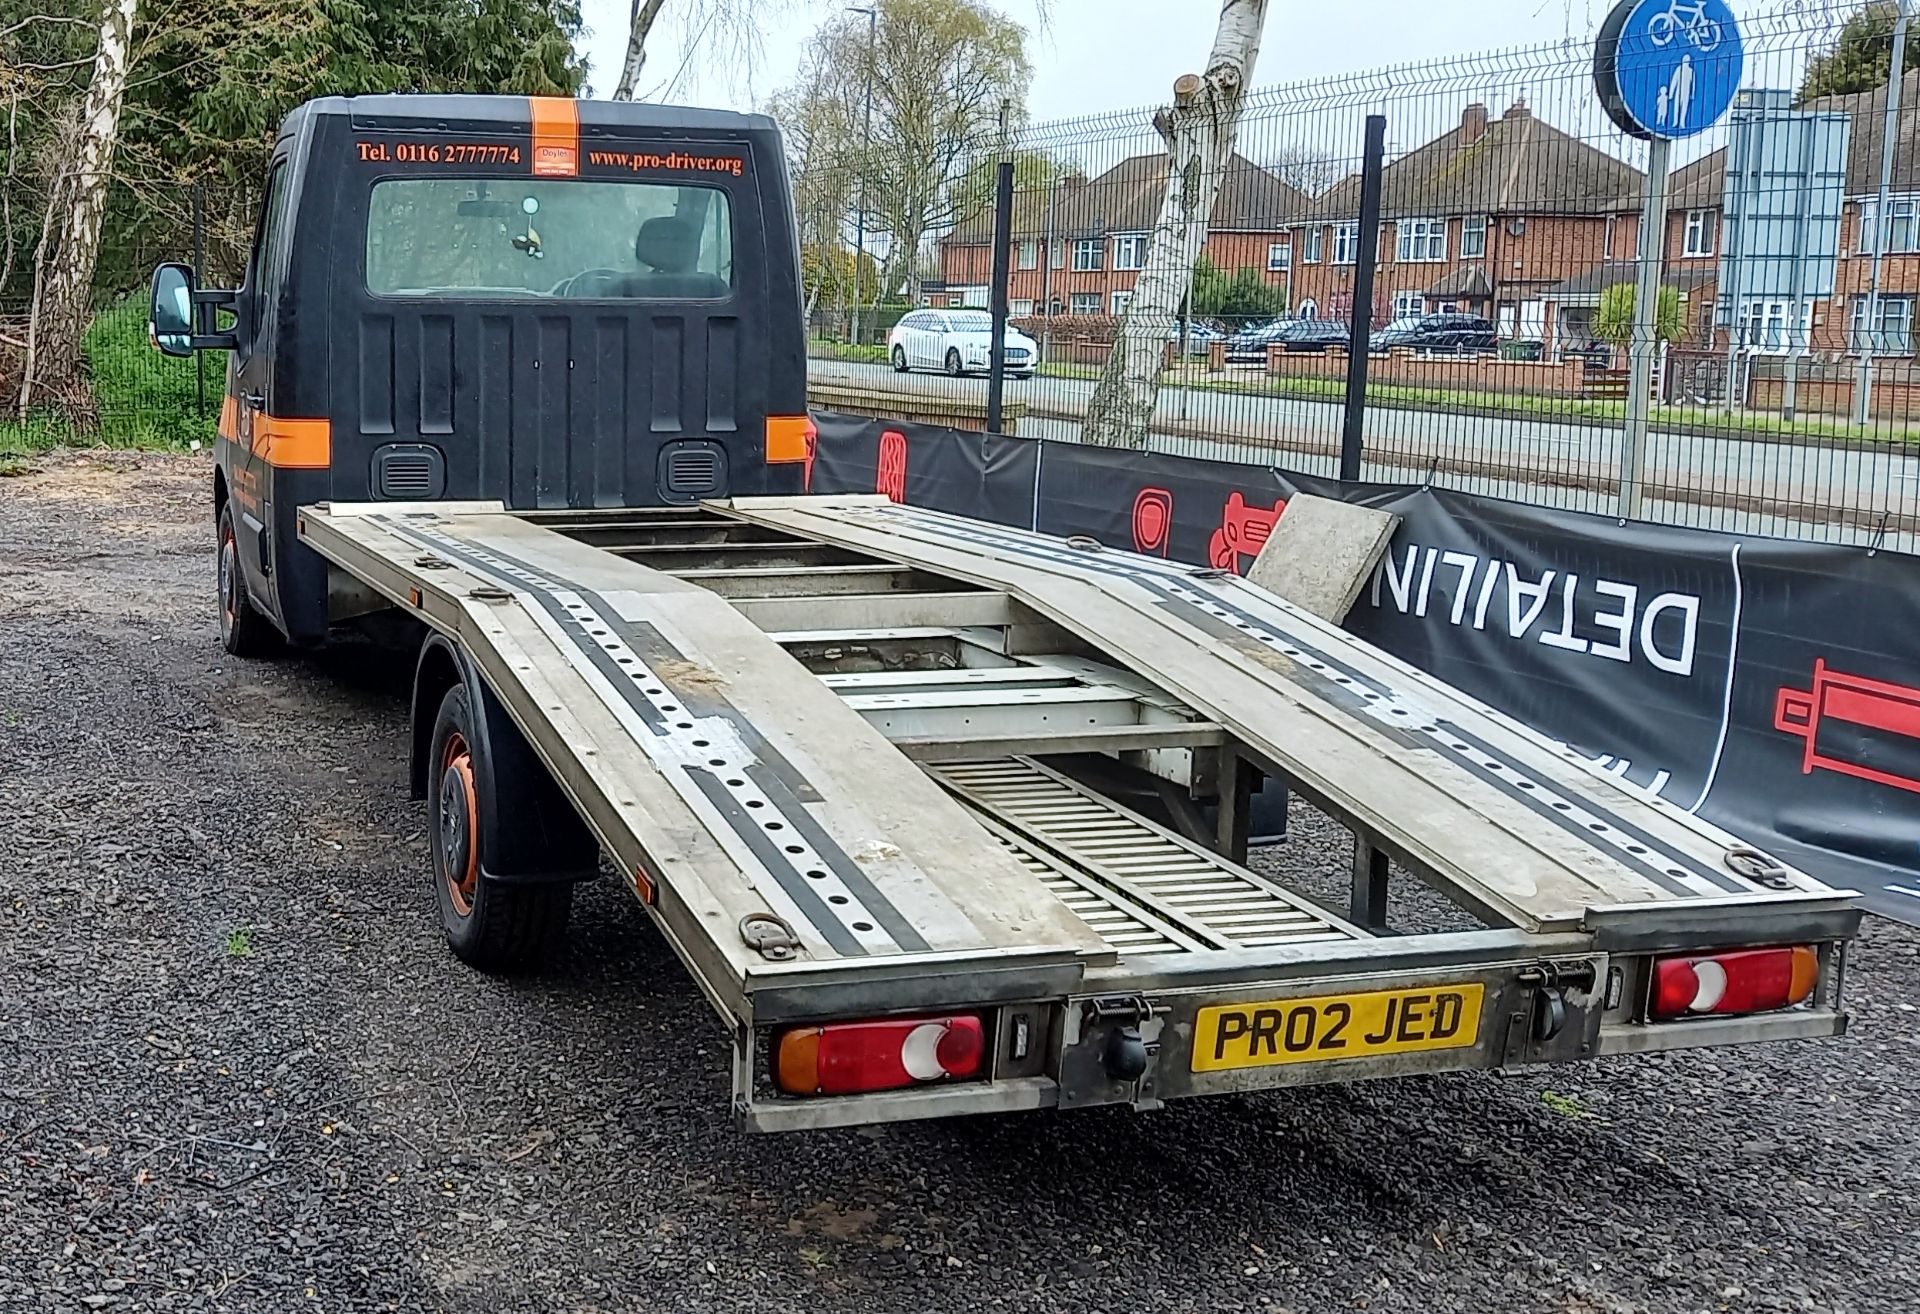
(239, 943)
(1564, 1105)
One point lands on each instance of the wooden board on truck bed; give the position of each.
(712, 764)
(1509, 822)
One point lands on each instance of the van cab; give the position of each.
(550, 303)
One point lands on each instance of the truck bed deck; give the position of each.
(736, 697)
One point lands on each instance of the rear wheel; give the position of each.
(899, 360)
(490, 925)
(953, 362)
(244, 632)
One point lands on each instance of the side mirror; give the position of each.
(170, 310)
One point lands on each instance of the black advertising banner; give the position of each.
(1617, 640)
(967, 474)
(1771, 687)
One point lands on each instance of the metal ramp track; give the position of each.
(1144, 889)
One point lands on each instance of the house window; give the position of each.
(1310, 245)
(1473, 237)
(1423, 239)
(1084, 303)
(1606, 242)
(1020, 307)
(1130, 251)
(1279, 255)
(1892, 329)
(1346, 243)
(1900, 232)
(1119, 302)
(1087, 253)
(1029, 254)
(1700, 232)
(1765, 324)
(1408, 305)
(1056, 255)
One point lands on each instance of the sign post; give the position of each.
(1664, 70)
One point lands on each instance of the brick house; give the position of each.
(1483, 219)
(1836, 326)
(1079, 244)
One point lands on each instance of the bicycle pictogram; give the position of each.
(1689, 20)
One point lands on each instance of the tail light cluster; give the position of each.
(1733, 982)
(856, 1058)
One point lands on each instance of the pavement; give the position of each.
(1823, 491)
(240, 1072)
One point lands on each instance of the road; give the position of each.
(240, 1073)
(1735, 484)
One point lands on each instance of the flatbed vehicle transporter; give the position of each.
(942, 817)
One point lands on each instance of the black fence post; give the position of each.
(1362, 328)
(1002, 258)
(199, 261)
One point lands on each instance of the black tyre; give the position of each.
(244, 631)
(493, 926)
(953, 362)
(899, 360)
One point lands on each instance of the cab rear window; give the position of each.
(548, 238)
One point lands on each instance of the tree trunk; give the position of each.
(644, 12)
(64, 292)
(1199, 129)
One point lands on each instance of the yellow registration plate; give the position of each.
(1336, 1027)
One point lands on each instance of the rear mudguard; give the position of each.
(529, 830)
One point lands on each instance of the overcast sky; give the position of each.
(1103, 55)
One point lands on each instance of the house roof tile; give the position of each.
(1516, 164)
(1126, 199)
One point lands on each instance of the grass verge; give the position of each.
(143, 399)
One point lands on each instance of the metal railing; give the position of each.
(1509, 242)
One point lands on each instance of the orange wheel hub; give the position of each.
(459, 837)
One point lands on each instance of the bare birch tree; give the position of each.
(70, 236)
(1199, 129)
(716, 34)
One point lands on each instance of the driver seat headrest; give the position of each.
(667, 245)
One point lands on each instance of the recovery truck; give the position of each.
(531, 376)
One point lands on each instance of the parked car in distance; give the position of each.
(1447, 332)
(1200, 336)
(957, 341)
(1289, 335)
(1314, 334)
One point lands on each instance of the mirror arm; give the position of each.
(207, 302)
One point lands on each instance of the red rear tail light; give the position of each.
(1738, 981)
(852, 1058)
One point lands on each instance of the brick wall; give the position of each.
(1455, 373)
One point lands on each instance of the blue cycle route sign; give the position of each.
(1668, 68)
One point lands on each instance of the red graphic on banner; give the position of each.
(813, 450)
(1243, 532)
(1152, 521)
(1861, 704)
(891, 476)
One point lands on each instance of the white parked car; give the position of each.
(956, 341)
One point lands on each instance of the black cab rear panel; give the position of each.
(552, 303)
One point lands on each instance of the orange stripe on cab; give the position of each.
(292, 444)
(556, 136)
(789, 438)
(229, 418)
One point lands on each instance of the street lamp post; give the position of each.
(866, 146)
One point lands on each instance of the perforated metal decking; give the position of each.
(1143, 888)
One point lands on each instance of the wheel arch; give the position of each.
(545, 839)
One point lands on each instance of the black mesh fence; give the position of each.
(134, 395)
(1783, 396)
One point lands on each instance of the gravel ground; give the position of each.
(239, 1072)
